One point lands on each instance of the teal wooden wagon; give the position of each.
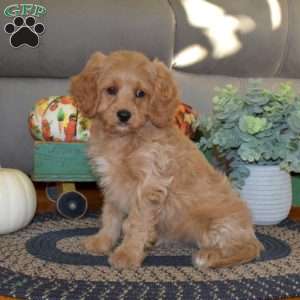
(60, 132)
(60, 165)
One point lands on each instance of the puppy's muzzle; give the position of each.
(124, 115)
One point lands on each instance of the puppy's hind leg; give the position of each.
(217, 258)
(227, 246)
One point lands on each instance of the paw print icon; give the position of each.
(24, 32)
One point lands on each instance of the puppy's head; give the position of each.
(125, 90)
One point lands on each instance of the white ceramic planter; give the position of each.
(268, 193)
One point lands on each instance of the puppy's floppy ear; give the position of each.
(164, 101)
(84, 85)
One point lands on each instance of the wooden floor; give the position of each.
(95, 198)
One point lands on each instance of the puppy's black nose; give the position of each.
(124, 115)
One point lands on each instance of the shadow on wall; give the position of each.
(213, 35)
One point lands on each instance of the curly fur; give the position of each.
(157, 185)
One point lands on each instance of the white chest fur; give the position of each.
(123, 179)
(102, 167)
(111, 180)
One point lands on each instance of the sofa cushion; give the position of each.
(238, 38)
(75, 29)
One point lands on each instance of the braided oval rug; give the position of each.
(47, 261)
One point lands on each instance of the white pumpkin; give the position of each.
(17, 200)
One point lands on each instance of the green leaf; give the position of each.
(249, 152)
(252, 125)
(294, 121)
(255, 95)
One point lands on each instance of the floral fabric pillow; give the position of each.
(57, 119)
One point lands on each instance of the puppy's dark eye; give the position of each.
(140, 94)
(112, 90)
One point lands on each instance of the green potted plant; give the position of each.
(256, 134)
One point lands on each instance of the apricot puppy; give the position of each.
(157, 185)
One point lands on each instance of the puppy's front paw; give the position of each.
(98, 243)
(123, 258)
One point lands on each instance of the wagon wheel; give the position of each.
(70, 203)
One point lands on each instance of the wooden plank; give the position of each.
(61, 162)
